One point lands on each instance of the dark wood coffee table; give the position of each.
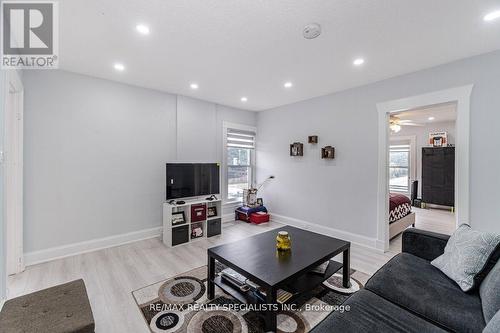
(257, 259)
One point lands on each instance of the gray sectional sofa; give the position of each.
(408, 294)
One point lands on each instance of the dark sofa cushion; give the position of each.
(424, 244)
(490, 293)
(371, 313)
(414, 284)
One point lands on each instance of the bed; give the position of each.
(400, 214)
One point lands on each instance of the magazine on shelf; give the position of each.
(321, 269)
(282, 296)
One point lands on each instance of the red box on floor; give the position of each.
(259, 217)
(243, 217)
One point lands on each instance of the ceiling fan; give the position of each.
(395, 123)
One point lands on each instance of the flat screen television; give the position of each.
(186, 180)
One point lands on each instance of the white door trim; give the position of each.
(459, 95)
(13, 172)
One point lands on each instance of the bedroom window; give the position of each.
(239, 160)
(399, 168)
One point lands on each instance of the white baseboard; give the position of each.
(348, 236)
(228, 218)
(37, 257)
(228, 211)
(380, 245)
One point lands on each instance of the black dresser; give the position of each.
(438, 176)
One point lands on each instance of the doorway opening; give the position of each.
(422, 170)
(453, 106)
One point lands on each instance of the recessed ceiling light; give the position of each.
(194, 86)
(143, 29)
(244, 99)
(358, 62)
(119, 67)
(431, 118)
(492, 16)
(288, 85)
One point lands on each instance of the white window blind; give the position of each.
(240, 138)
(399, 168)
(240, 161)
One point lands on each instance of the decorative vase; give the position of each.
(283, 241)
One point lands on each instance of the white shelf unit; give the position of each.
(180, 234)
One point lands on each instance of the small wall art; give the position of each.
(312, 139)
(328, 152)
(296, 149)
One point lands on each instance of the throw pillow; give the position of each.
(466, 254)
(493, 325)
(490, 293)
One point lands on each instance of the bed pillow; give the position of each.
(466, 255)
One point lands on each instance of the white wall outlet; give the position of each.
(1, 157)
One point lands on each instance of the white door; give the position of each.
(13, 173)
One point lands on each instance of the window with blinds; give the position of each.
(240, 139)
(399, 168)
(240, 145)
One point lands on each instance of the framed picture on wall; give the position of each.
(296, 149)
(328, 152)
(312, 139)
(438, 139)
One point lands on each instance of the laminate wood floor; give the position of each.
(112, 274)
(436, 220)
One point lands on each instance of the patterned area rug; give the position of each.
(180, 304)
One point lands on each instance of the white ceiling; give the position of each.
(235, 48)
(441, 113)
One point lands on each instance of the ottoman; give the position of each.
(63, 308)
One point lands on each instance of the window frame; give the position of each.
(410, 140)
(399, 189)
(225, 182)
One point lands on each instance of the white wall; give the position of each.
(95, 154)
(342, 194)
(422, 140)
(197, 123)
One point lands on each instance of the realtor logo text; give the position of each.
(29, 34)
